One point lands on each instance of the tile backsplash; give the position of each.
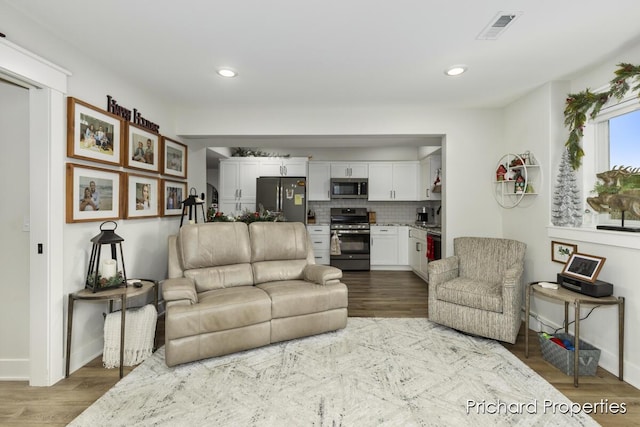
(386, 212)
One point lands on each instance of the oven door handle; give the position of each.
(341, 232)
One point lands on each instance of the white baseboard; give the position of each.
(14, 369)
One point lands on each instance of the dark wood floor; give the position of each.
(371, 294)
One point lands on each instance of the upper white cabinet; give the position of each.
(283, 166)
(349, 170)
(431, 178)
(394, 181)
(238, 184)
(318, 182)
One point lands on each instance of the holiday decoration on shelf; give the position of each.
(566, 210)
(585, 104)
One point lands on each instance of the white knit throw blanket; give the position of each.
(140, 331)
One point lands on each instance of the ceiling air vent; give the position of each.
(498, 25)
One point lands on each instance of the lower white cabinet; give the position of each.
(389, 246)
(321, 242)
(418, 252)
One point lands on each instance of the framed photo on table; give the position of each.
(143, 196)
(560, 252)
(143, 149)
(93, 194)
(584, 267)
(174, 158)
(173, 193)
(93, 134)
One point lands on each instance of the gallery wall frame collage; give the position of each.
(137, 173)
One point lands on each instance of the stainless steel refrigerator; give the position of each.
(286, 195)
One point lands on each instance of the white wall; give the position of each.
(535, 123)
(145, 239)
(14, 257)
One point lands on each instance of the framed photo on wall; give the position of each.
(93, 194)
(173, 193)
(93, 134)
(584, 267)
(143, 196)
(174, 158)
(560, 252)
(143, 149)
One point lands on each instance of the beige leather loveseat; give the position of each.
(233, 287)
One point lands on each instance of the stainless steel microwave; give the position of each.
(349, 188)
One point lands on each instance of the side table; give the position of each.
(577, 299)
(110, 295)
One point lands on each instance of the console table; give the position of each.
(121, 294)
(577, 299)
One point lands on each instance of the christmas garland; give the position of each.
(587, 103)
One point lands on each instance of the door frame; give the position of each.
(47, 84)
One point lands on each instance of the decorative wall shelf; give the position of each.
(515, 178)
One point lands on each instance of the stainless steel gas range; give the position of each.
(352, 227)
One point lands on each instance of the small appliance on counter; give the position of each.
(422, 215)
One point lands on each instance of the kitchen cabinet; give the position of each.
(237, 190)
(321, 241)
(393, 181)
(417, 247)
(283, 166)
(430, 174)
(389, 247)
(319, 181)
(349, 170)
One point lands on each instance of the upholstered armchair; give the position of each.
(478, 290)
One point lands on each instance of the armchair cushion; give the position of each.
(472, 293)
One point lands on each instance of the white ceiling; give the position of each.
(339, 52)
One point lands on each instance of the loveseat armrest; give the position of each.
(322, 274)
(180, 288)
(443, 270)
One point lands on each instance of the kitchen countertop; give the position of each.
(432, 229)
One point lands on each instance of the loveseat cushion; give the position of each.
(213, 244)
(219, 310)
(226, 276)
(471, 293)
(297, 297)
(279, 251)
(273, 241)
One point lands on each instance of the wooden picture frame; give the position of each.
(142, 198)
(173, 193)
(93, 134)
(560, 251)
(93, 194)
(174, 158)
(584, 267)
(143, 149)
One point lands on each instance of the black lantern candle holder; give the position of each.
(106, 274)
(192, 202)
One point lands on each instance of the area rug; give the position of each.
(376, 372)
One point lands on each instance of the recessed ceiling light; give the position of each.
(455, 70)
(226, 72)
